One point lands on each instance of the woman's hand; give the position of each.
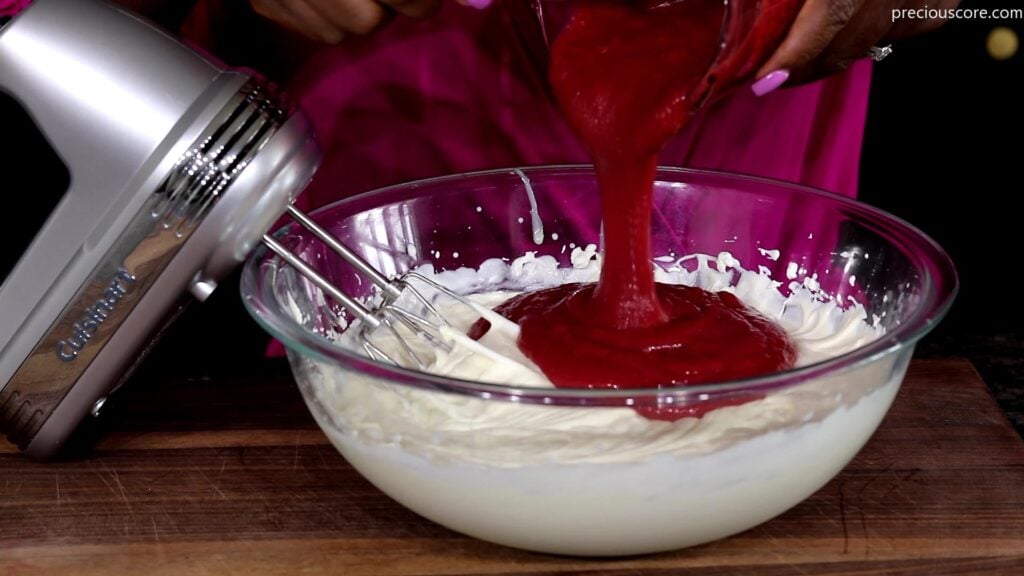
(329, 21)
(829, 35)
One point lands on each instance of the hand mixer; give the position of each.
(178, 166)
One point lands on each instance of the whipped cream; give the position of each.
(589, 480)
(447, 426)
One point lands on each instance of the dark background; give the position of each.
(942, 150)
(942, 146)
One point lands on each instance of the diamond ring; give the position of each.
(878, 53)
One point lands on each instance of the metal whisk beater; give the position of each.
(428, 323)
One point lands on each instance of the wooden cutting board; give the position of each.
(221, 478)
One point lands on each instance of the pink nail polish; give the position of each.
(479, 4)
(770, 82)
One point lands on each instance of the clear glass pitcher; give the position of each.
(751, 30)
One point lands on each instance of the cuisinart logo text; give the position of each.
(95, 316)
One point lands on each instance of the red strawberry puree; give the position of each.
(624, 76)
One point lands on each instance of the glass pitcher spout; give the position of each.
(751, 30)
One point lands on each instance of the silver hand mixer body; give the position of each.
(178, 166)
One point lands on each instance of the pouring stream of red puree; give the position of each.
(624, 75)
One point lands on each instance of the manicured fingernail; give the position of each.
(479, 4)
(770, 82)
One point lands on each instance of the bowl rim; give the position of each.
(298, 339)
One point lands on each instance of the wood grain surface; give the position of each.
(233, 477)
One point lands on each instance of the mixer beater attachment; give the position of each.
(391, 311)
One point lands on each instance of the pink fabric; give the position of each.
(450, 94)
(12, 7)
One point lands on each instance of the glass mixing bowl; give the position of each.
(578, 471)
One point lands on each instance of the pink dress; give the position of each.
(452, 94)
(12, 7)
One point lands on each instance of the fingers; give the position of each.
(414, 8)
(852, 43)
(329, 21)
(813, 30)
(298, 16)
(352, 16)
